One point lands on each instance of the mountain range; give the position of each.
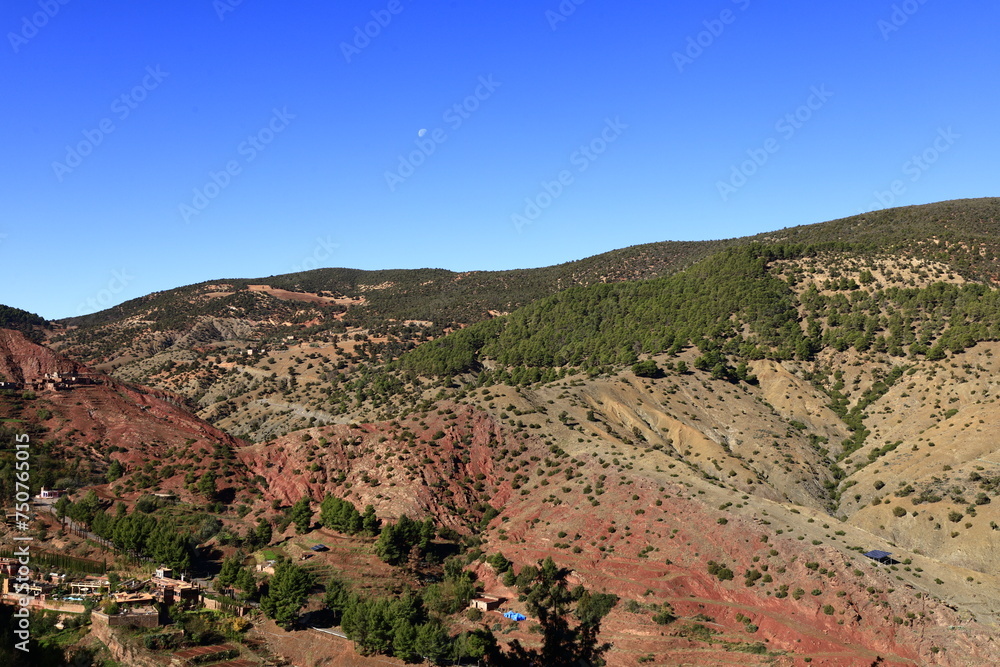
(652, 418)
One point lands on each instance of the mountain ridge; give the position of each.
(879, 226)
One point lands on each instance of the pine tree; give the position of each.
(247, 584)
(262, 534)
(286, 593)
(404, 640)
(115, 471)
(301, 515)
(432, 641)
(230, 569)
(170, 547)
(389, 546)
(338, 596)
(370, 522)
(380, 631)
(206, 485)
(329, 512)
(61, 506)
(427, 533)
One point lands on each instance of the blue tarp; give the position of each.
(514, 616)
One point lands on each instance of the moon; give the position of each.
(421, 133)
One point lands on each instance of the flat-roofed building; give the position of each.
(89, 586)
(485, 603)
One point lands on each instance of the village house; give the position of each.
(485, 603)
(140, 616)
(89, 586)
(131, 600)
(170, 591)
(36, 589)
(8, 566)
(57, 381)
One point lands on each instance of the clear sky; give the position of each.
(151, 145)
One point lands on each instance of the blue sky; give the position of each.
(147, 146)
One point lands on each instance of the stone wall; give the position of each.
(126, 655)
(123, 620)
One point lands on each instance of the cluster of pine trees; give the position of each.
(614, 323)
(234, 574)
(286, 592)
(411, 627)
(342, 516)
(732, 304)
(23, 321)
(404, 540)
(397, 542)
(414, 626)
(547, 597)
(136, 534)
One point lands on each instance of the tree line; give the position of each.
(136, 534)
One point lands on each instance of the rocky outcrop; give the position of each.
(24, 361)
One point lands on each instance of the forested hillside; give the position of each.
(741, 302)
(23, 321)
